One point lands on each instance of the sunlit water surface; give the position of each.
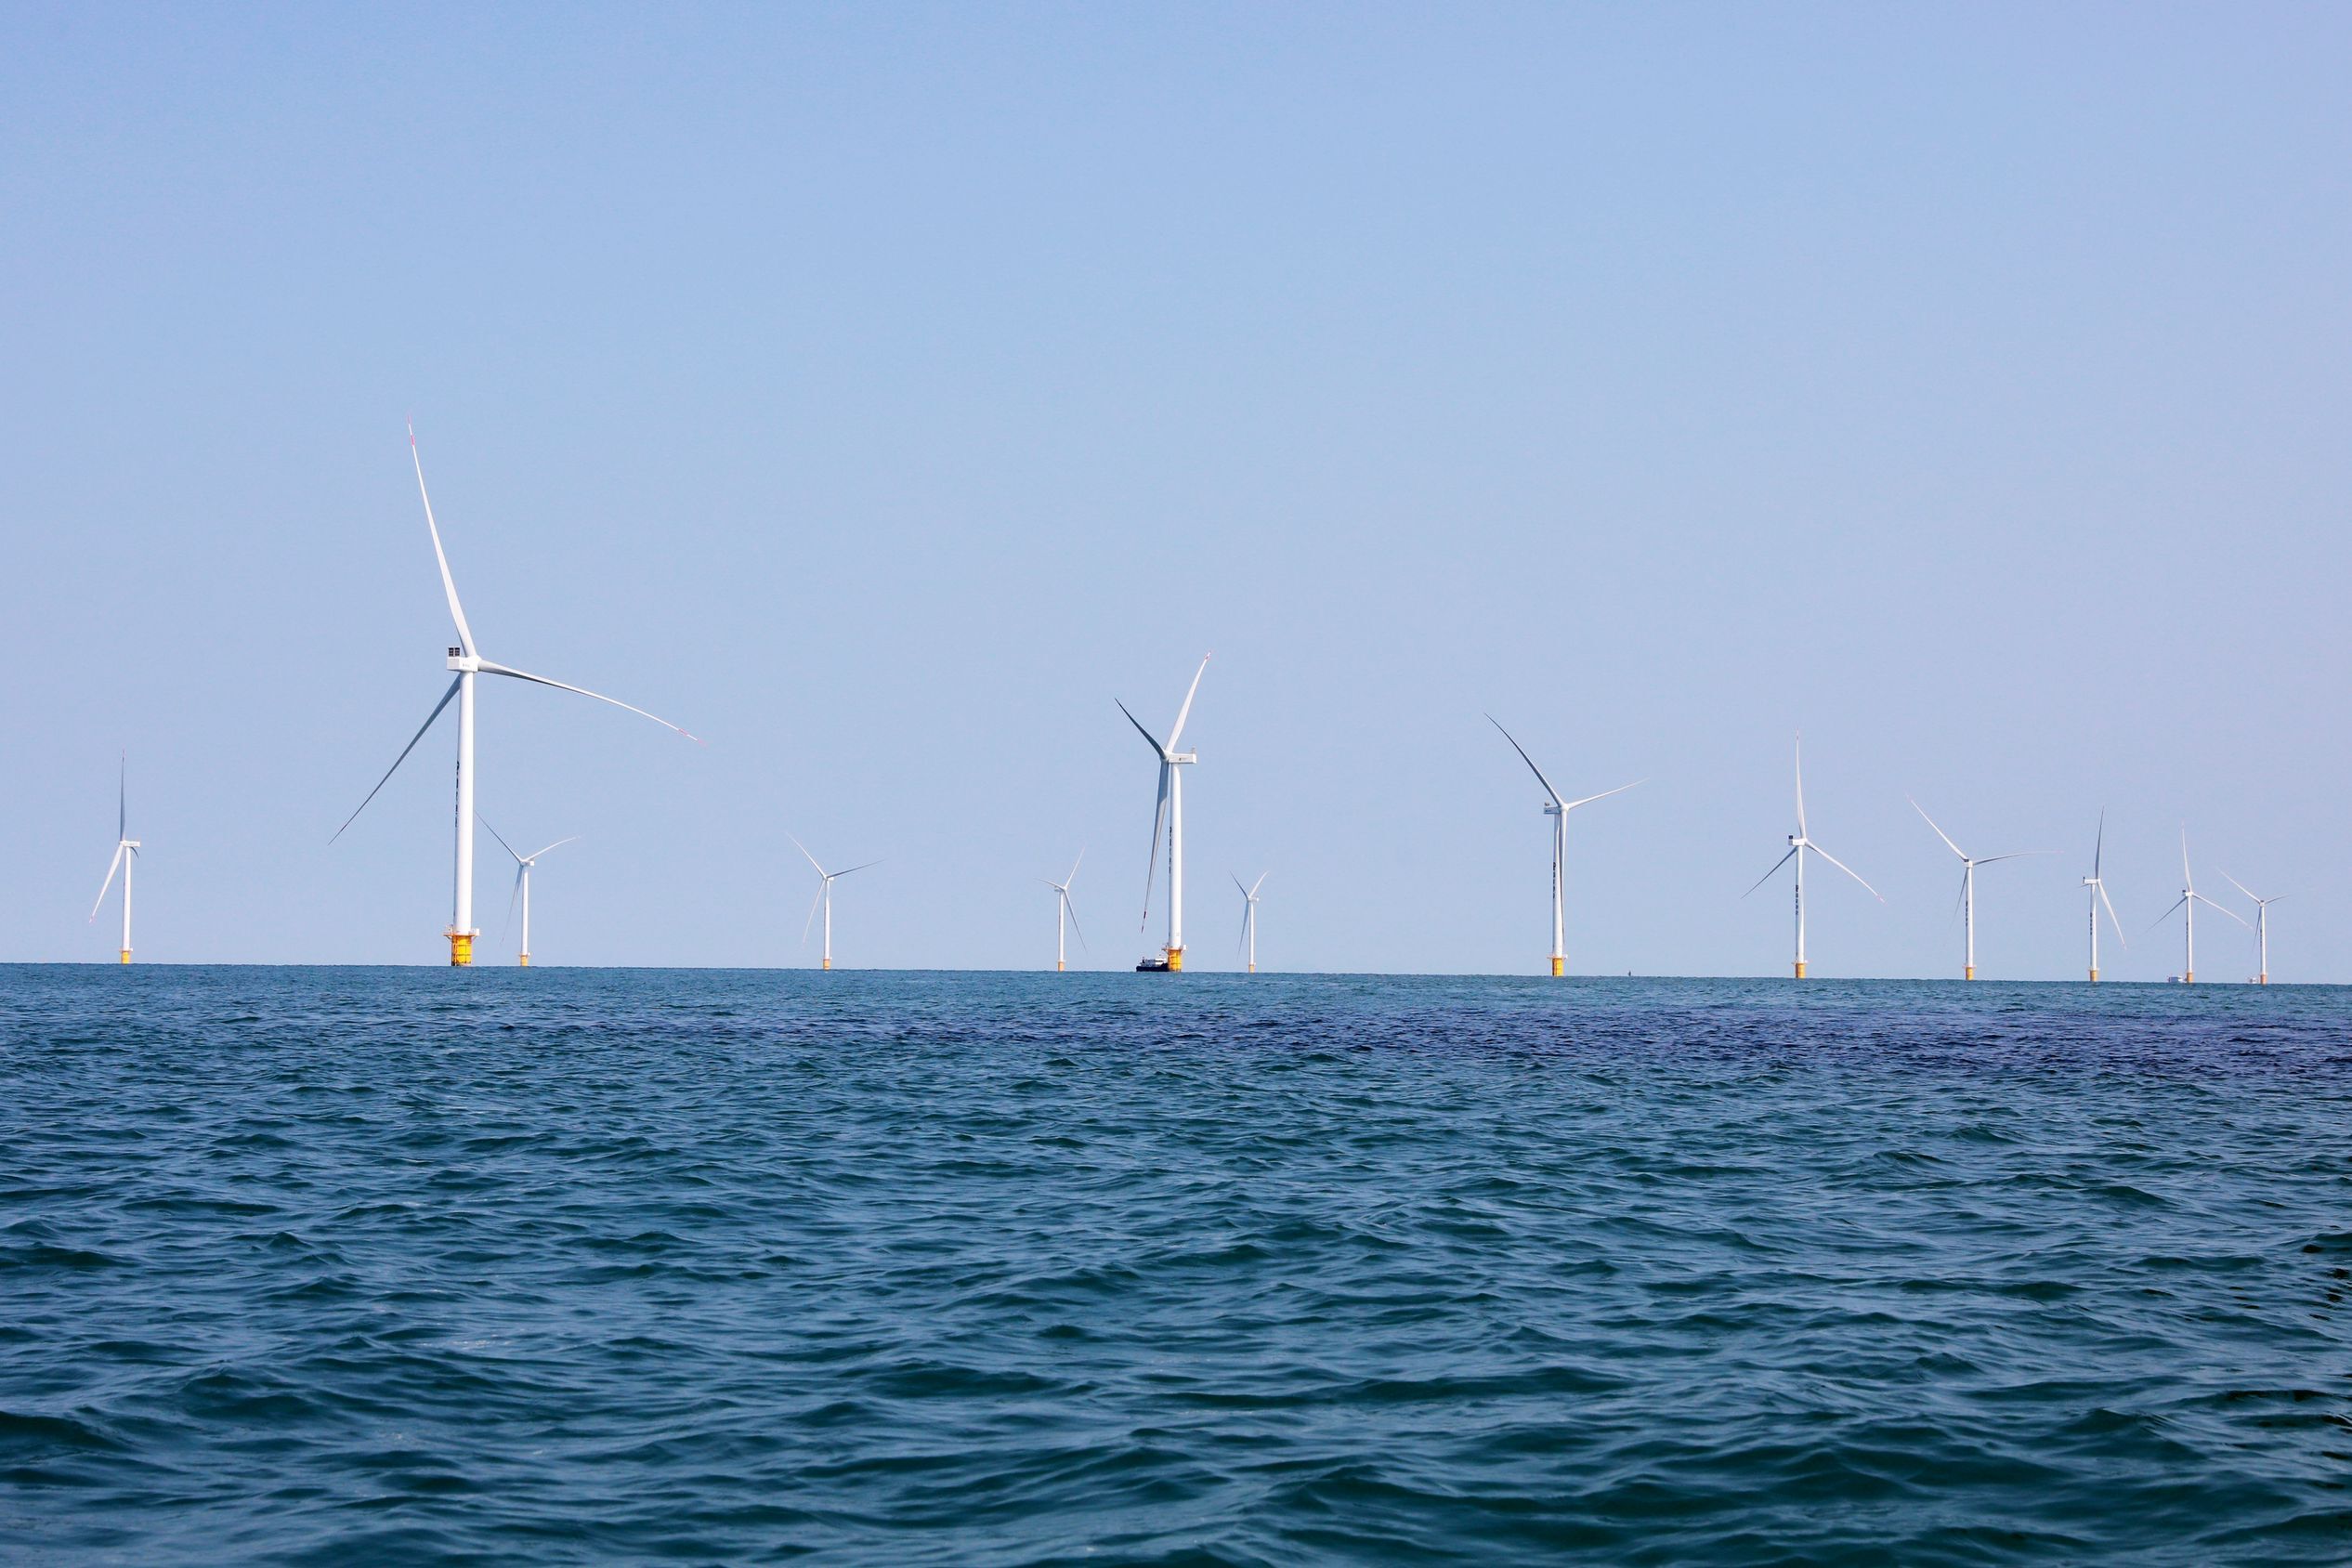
(548, 1266)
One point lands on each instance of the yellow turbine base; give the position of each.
(1175, 961)
(1800, 969)
(1968, 972)
(1253, 968)
(460, 948)
(2189, 977)
(826, 963)
(1559, 966)
(2094, 976)
(126, 955)
(523, 961)
(1059, 966)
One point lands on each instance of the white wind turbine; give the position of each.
(1557, 809)
(467, 663)
(824, 897)
(2262, 926)
(2098, 897)
(1065, 915)
(1170, 810)
(125, 851)
(2188, 900)
(1968, 864)
(523, 863)
(1798, 843)
(1249, 916)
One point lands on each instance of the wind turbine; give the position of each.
(2189, 899)
(1170, 810)
(1065, 916)
(1249, 916)
(466, 661)
(125, 851)
(2262, 924)
(523, 863)
(2098, 897)
(1968, 864)
(1798, 843)
(825, 897)
(1557, 809)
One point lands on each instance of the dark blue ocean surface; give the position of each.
(396, 1266)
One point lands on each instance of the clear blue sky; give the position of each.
(881, 391)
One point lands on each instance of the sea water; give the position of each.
(382, 1266)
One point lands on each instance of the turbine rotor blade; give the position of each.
(1146, 734)
(1185, 712)
(1071, 909)
(448, 583)
(496, 834)
(2168, 913)
(1849, 871)
(1774, 871)
(803, 849)
(839, 875)
(2113, 917)
(2015, 855)
(1074, 865)
(1151, 859)
(2224, 908)
(2224, 877)
(1571, 806)
(557, 844)
(111, 866)
(404, 754)
(1801, 785)
(491, 669)
(1939, 831)
(810, 925)
(1530, 763)
(2099, 846)
(123, 799)
(1258, 884)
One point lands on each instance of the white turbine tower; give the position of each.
(1798, 843)
(1065, 915)
(1249, 916)
(825, 897)
(2262, 926)
(1968, 864)
(126, 852)
(467, 663)
(2098, 897)
(1170, 810)
(523, 863)
(2188, 900)
(1557, 809)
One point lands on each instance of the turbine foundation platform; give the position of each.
(126, 955)
(461, 947)
(1968, 972)
(522, 961)
(2094, 976)
(1800, 969)
(1559, 966)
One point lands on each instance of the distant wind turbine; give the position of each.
(1968, 864)
(523, 863)
(2262, 924)
(1798, 843)
(1065, 915)
(824, 897)
(126, 852)
(2189, 899)
(1170, 811)
(1249, 918)
(467, 663)
(2100, 899)
(1557, 809)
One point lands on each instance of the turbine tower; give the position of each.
(1065, 916)
(1249, 918)
(2262, 924)
(1171, 810)
(825, 897)
(1798, 843)
(1557, 809)
(2188, 900)
(1968, 864)
(523, 863)
(125, 851)
(2098, 897)
(466, 662)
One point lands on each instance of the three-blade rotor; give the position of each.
(1168, 759)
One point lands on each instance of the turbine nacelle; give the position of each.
(464, 662)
